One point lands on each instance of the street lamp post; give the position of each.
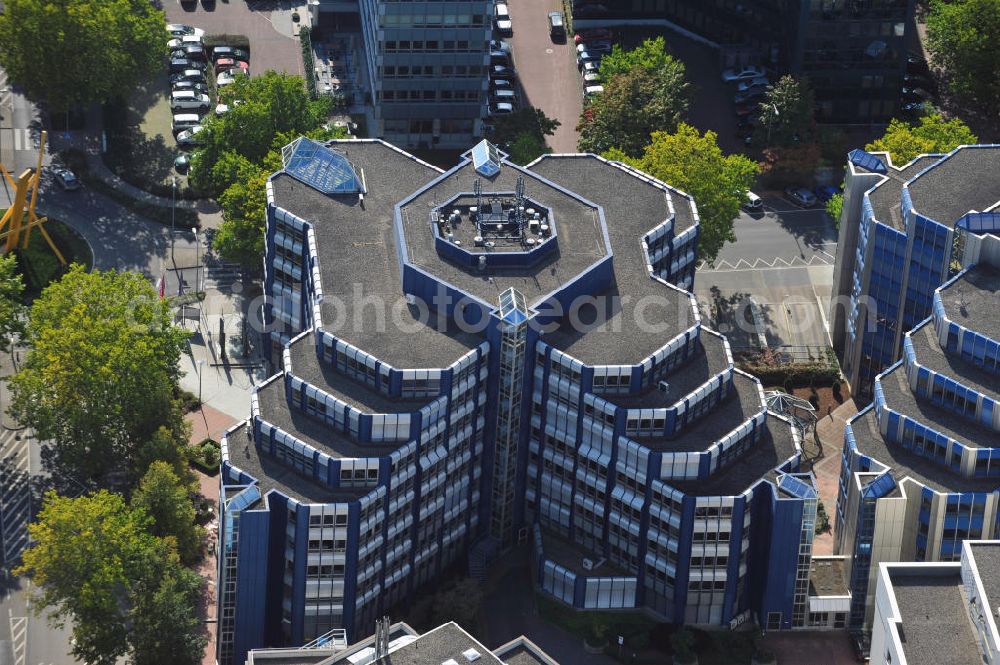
(173, 206)
(771, 122)
(4, 91)
(201, 365)
(197, 263)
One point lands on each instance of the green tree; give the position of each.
(167, 499)
(96, 566)
(634, 104)
(932, 133)
(961, 36)
(693, 163)
(11, 307)
(834, 206)
(507, 129)
(786, 113)
(260, 109)
(651, 55)
(78, 52)
(526, 148)
(100, 378)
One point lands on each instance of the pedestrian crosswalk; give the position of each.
(18, 138)
(15, 492)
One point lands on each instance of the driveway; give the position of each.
(548, 74)
(782, 261)
(267, 25)
(793, 647)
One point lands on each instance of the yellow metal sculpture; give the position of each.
(20, 218)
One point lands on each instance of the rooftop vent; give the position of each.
(588, 564)
(450, 661)
(664, 387)
(471, 655)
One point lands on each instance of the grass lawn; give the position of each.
(39, 266)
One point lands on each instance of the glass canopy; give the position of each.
(320, 167)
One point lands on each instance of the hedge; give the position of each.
(308, 64)
(236, 41)
(206, 456)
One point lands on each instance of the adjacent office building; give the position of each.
(903, 232)
(400, 644)
(425, 66)
(921, 465)
(931, 613)
(470, 359)
(854, 53)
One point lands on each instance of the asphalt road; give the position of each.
(547, 70)
(773, 284)
(18, 147)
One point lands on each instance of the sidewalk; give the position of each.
(826, 468)
(208, 568)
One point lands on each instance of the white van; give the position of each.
(592, 91)
(189, 99)
(753, 203)
(184, 121)
(503, 95)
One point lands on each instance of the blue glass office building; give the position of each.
(902, 233)
(921, 465)
(471, 359)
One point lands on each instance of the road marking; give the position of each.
(18, 637)
(15, 495)
(777, 263)
(822, 316)
(23, 139)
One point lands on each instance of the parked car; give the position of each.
(178, 65)
(919, 81)
(66, 179)
(189, 99)
(179, 86)
(229, 76)
(592, 91)
(193, 75)
(825, 192)
(757, 81)
(181, 42)
(503, 95)
(591, 34)
(188, 138)
(801, 196)
(557, 27)
(499, 45)
(497, 84)
(500, 58)
(182, 121)
(182, 163)
(749, 95)
(501, 71)
(915, 94)
(221, 109)
(753, 203)
(191, 52)
(229, 52)
(501, 18)
(180, 30)
(591, 66)
(501, 108)
(742, 73)
(913, 108)
(591, 78)
(587, 56)
(916, 64)
(602, 46)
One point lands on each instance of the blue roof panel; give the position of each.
(320, 167)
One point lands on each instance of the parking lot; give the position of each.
(268, 26)
(773, 284)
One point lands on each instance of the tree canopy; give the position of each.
(522, 134)
(165, 497)
(931, 133)
(97, 566)
(786, 113)
(77, 52)
(694, 164)
(961, 36)
(651, 55)
(11, 308)
(100, 377)
(633, 106)
(240, 149)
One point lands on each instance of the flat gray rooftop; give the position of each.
(308, 366)
(522, 656)
(432, 648)
(964, 429)
(580, 239)
(904, 463)
(932, 356)
(709, 361)
(935, 624)
(886, 198)
(275, 409)
(775, 447)
(356, 247)
(741, 404)
(631, 207)
(826, 577)
(272, 474)
(974, 300)
(987, 556)
(570, 556)
(966, 180)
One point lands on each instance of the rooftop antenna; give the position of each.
(381, 637)
(477, 187)
(519, 190)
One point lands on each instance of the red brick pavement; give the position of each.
(827, 468)
(208, 422)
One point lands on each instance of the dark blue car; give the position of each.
(825, 193)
